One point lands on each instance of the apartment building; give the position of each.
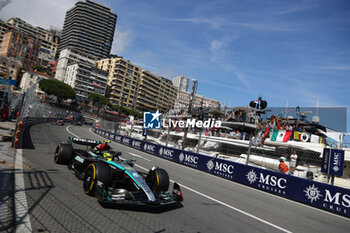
(4, 27)
(137, 88)
(30, 78)
(21, 46)
(48, 38)
(85, 79)
(9, 67)
(89, 27)
(70, 56)
(181, 82)
(184, 97)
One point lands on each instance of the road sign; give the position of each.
(8, 81)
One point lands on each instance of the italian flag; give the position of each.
(280, 135)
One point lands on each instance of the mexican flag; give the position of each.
(280, 135)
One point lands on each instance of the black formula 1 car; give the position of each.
(113, 179)
(58, 122)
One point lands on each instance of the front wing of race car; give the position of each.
(123, 196)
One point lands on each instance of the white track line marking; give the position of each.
(139, 156)
(21, 207)
(224, 204)
(67, 128)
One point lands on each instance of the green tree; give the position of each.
(40, 68)
(98, 100)
(57, 88)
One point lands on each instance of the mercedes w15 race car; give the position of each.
(113, 179)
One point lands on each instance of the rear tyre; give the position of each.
(63, 154)
(96, 172)
(158, 180)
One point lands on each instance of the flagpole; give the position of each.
(285, 112)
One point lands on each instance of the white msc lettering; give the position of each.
(168, 152)
(150, 147)
(336, 159)
(223, 167)
(336, 198)
(191, 159)
(137, 143)
(273, 181)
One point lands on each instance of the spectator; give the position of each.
(283, 166)
(293, 162)
(4, 111)
(272, 123)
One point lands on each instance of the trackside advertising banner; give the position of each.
(327, 197)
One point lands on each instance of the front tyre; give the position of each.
(96, 172)
(63, 154)
(158, 180)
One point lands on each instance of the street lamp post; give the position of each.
(194, 87)
(258, 104)
(119, 112)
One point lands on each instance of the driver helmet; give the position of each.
(282, 159)
(108, 156)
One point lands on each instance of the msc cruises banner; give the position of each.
(323, 196)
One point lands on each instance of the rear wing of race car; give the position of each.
(84, 141)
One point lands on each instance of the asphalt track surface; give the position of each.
(57, 203)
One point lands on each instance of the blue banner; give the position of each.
(336, 162)
(325, 160)
(324, 196)
(8, 81)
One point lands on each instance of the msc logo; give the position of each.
(148, 147)
(221, 169)
(126, 141)
(136, 144)
(118, 138)
(166, 152)
(151, 120)
(188, 158)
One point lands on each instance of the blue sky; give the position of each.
(295, 52)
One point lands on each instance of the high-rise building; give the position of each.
(4, 27)
(48, 38)
(22, 46)
(86, 79)
(78, 70)
(181, 82)
(9, 68)
(183, 101)
(89, 27)
(137, 88)
(70, 56)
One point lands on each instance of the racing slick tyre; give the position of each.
(63, 154)
(158, 180)
(96, 172)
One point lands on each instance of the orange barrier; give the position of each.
(15, 145)
(19, 126)
(18, 134)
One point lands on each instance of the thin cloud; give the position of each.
(41, 13)
(339, 67)
(122, 40)
(213, 22)
(217, 23)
